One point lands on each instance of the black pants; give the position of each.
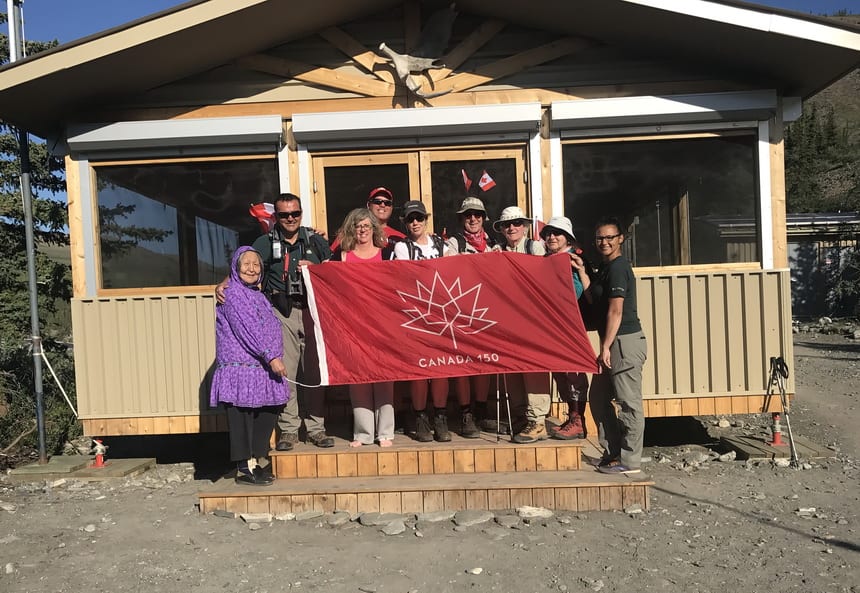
(250, 430)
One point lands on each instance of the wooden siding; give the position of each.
(713, 333)
(710, 337)
(147, 355)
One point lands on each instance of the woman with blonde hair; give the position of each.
(362, 240)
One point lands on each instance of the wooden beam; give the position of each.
(362, 56)
(513, 64)
(317, 75)
(466, 48)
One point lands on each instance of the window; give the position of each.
(682, 200)
(177, 223)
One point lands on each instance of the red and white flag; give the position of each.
(466, 181)
(486, 183)
(446, 317)
(265, 215)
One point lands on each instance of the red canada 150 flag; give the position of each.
(449, 317)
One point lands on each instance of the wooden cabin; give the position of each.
(667, 113)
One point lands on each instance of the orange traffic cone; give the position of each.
(777, 432)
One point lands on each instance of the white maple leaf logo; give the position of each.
(440, 309)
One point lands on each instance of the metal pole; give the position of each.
(16, 41)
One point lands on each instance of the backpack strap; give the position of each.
(529, 245)
(439, 244)
(461, 243)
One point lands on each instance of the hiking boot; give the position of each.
(440, 428)
(468, 429)
(532, 433)
(495, 427)
(423, 432)
(287, 441)
(571, 429)
(321, 440)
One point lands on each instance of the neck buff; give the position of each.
(477, 240)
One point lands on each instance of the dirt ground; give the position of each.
(712, 526)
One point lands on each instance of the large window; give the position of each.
(177, 223)
(682, 200)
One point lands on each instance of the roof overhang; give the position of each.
(796, 54)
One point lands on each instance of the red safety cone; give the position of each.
(777, 432)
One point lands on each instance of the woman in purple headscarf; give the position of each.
(249, 374)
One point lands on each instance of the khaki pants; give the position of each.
(302, 363)
(621, 435)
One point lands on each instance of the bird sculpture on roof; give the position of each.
(431, 45)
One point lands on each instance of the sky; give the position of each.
(67, 20)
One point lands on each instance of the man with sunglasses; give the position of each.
(288, 247)
(380, 202)
(623, 350)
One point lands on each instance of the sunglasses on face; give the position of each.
(473, 214)
(363, 227)
(414, 217)
(293, 214)
(607, 238)
(510, 223)
(380, 202)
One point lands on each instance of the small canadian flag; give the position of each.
(466, 181)
(486, 182)
(265, 215)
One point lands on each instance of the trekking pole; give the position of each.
(508, 406)
(498, 407)
(778, 376)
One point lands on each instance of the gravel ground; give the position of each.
(713, 525)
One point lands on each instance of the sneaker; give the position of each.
(423, 432)
(571, 429)
(468, 429)
(616, 467)
(532, 433)
(440, 428)
(320, 439)
(286, 441)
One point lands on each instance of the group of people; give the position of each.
(265, 338)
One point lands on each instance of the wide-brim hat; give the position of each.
(472, 204)
(559, 223)
(414, 207)
(511, 213)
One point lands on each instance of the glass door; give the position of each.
(439, 178)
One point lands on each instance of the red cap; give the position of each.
(376, 191)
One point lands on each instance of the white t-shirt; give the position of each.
(426, 250)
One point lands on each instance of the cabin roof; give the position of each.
(42, 92)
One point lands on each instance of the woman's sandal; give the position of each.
(355, 444)
(385, 442)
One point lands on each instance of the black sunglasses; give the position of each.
(378, 202)
(473, 213)
(414, 217)
(294, 214)
(510, 223)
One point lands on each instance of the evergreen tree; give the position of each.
(17, 401)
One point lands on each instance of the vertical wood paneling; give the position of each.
(700, 367)
(661, 353)
(681, 309)
(717, 333)
(645, 305)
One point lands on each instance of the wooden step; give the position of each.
(584, 490)
(408, 457)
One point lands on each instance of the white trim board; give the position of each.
(416, 123)
(663, 110)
